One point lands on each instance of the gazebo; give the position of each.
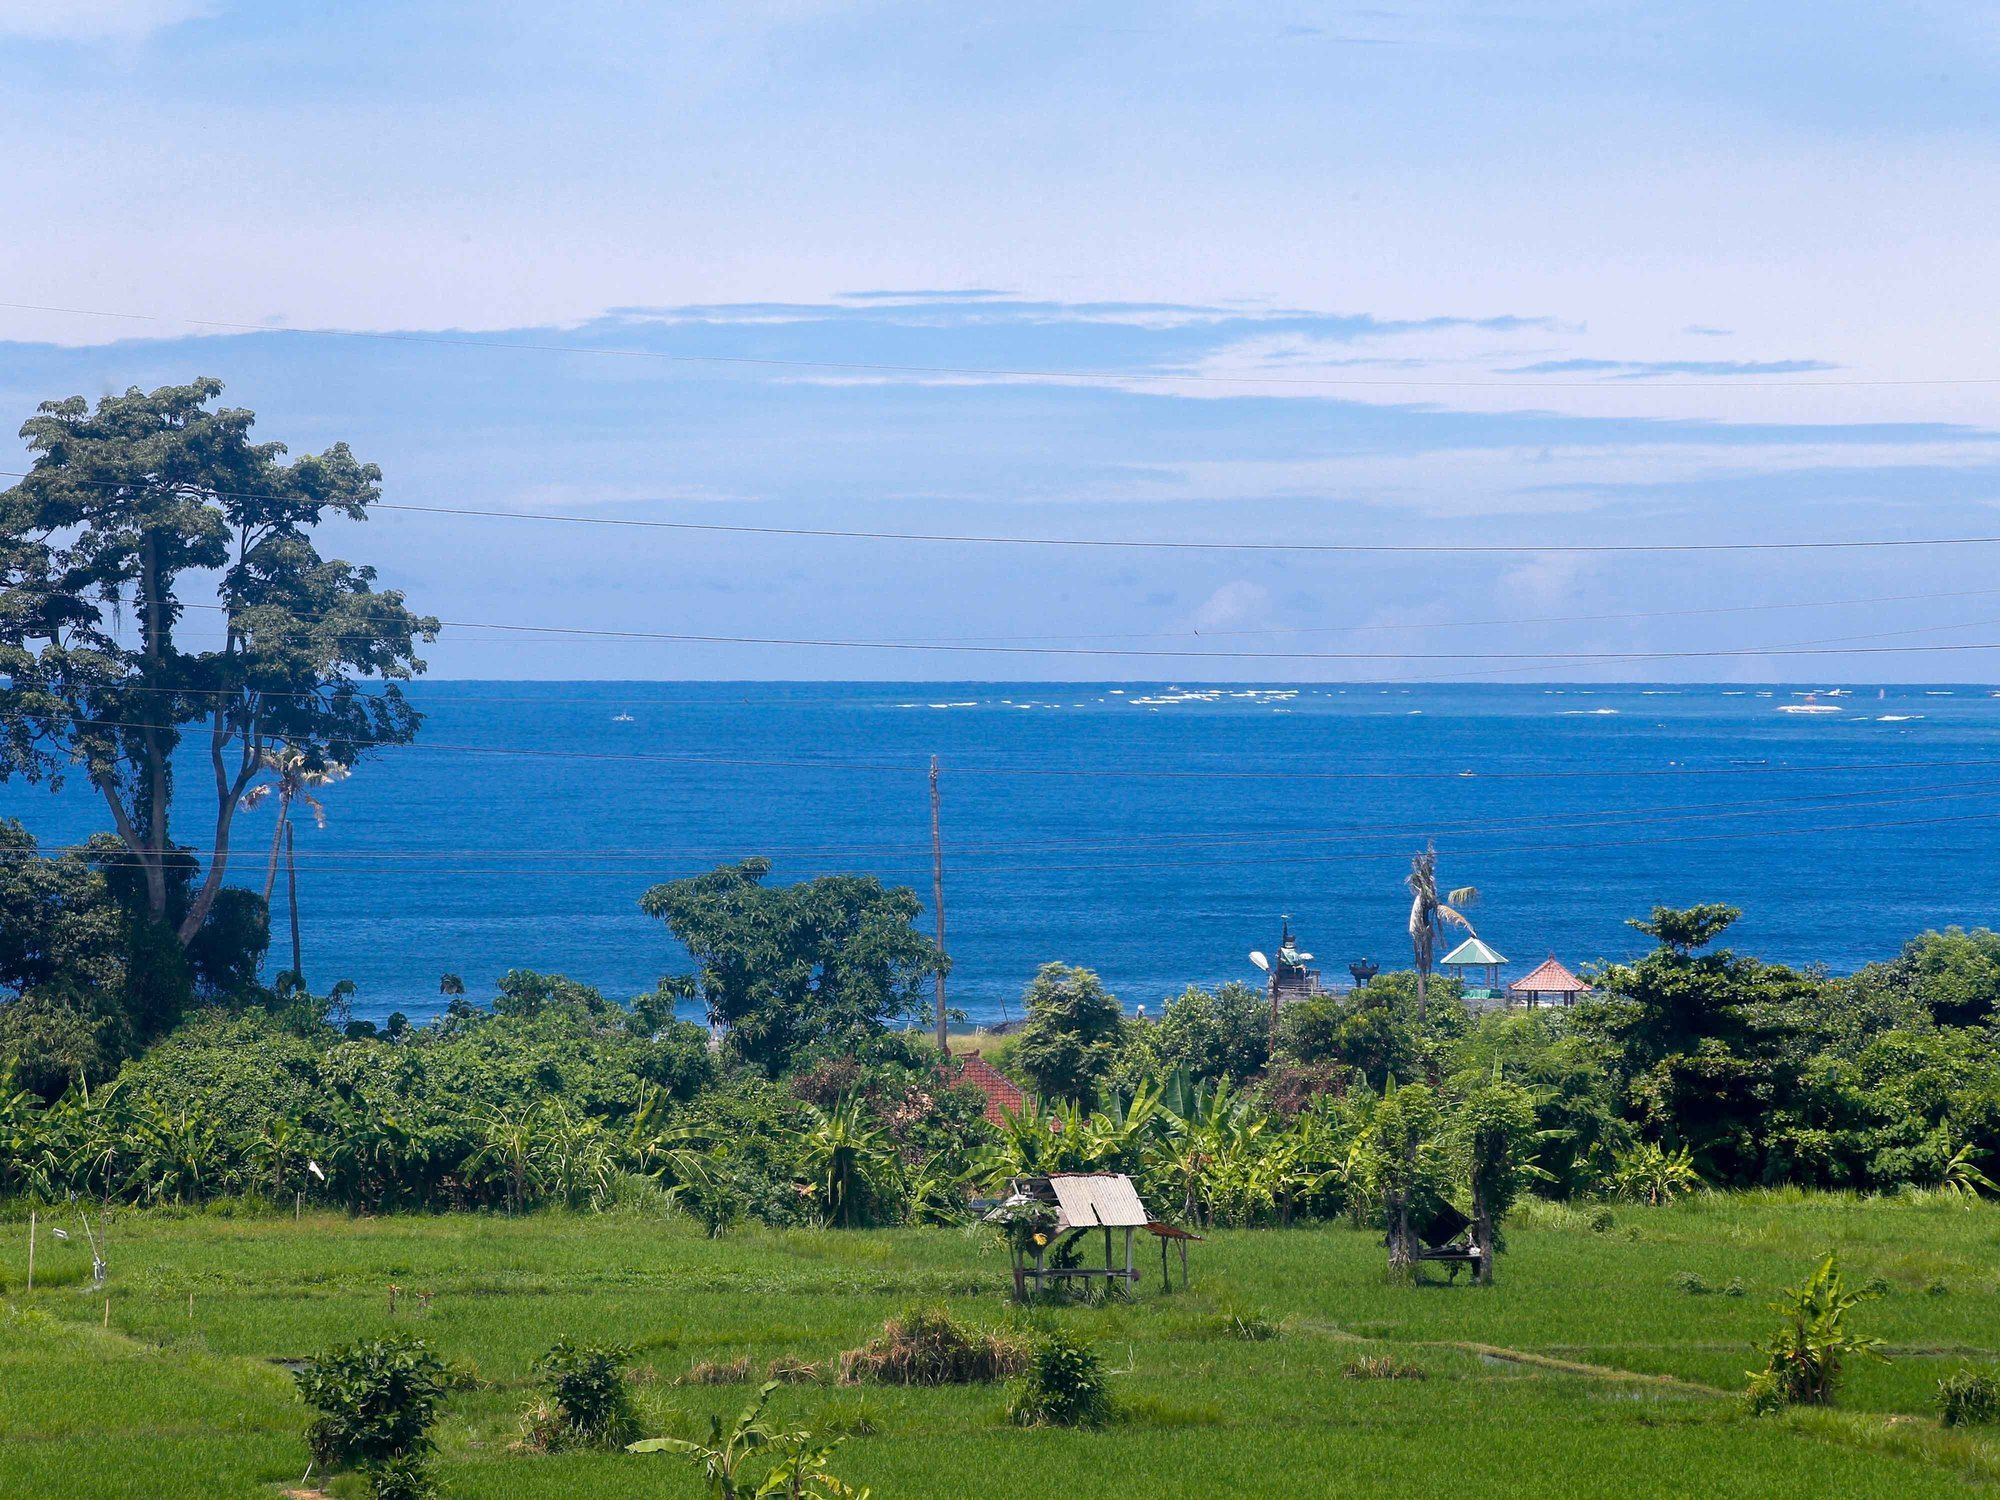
(1474, 953)
(1548, 983)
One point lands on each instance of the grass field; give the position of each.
(1588, 1370)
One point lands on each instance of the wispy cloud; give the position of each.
(96, 20)
(1646, 369)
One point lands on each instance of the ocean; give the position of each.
(1154, 833)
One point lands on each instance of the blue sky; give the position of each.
(1605, 243)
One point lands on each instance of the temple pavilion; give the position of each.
(1475, 953)
(1548, 983)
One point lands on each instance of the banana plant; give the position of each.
(846, 1158)
(721, 1460)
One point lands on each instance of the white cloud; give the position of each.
(1238, 604)
(1542, 581)
(95, 20)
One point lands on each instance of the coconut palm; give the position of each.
(1429, 916)
(296, 777)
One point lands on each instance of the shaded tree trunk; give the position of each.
(1482, 1236)
(277, 846)
(292, 901)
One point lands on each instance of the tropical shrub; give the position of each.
(1968, 1398)
(586, 1401)
(1063, 1385)
(1648, 1174)
(1813, 1345)
(725, 1462)
(376, 1401)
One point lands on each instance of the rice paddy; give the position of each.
(1607, 1361)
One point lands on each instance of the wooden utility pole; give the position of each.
(937, 903)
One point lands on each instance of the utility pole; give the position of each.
(937, 903)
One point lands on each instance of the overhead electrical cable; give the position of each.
(1813, 544)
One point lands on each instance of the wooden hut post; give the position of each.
(1482, 1237)
(1131, 1276)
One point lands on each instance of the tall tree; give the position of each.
(826, 962)
(1072, 1035)
(124, 508)
(1429, 915)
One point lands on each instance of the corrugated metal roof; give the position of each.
(1098, 1199)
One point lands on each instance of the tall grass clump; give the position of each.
(585, 1401)
(1968, 1398)
(1063, 1386)
(926, 1347)
(376, 1401)
(1813, 1345)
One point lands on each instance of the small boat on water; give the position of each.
(621, 718)
(1812, 705)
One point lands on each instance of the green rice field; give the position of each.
(1607, 1361)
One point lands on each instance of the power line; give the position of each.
(1126, 543)
(987, 372)
(1826, 646)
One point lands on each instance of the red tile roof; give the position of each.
(1549, 978)
(1001, 1092)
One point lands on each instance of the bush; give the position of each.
(376, 1401)
(404, 1477)
(1968, 1398)
(588, 1404)
(1693, 1283)
(1812, 1347)
(1063, 1387)
(926, 1347)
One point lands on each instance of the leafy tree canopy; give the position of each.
(125, 506)
(785, 968)
(1221, 1033)
(1071, 1038)
(1688, 928)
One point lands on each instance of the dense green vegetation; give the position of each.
(1692, 1066)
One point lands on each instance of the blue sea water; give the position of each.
(1153, 833)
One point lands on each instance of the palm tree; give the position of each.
(1429, 916)
(296, 776)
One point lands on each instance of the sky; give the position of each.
(1514, 272)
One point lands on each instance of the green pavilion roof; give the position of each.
(1472, 951)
